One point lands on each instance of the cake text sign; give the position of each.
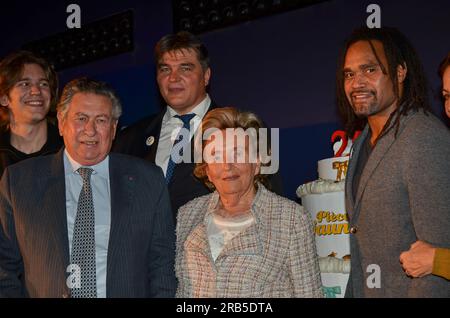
(325, 201)
(328, 223)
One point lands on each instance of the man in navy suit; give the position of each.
(57, 209)
(183, 73)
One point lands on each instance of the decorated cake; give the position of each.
(325, 200)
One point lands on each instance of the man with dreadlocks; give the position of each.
(398, 176)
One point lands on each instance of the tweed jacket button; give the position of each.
(353, 230)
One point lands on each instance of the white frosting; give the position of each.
(334, 265)
(320, 186)
(332, 172)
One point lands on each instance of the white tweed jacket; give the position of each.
(274, 257)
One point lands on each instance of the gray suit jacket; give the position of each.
(403, 196)
(34, 249)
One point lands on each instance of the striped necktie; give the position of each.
(186, 125)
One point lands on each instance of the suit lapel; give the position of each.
(350, 200)
(153, 132)
(122, 190)
(198, 240)
(55, 212)
(197, 237)
(375, 158)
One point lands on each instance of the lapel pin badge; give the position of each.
(150, 140)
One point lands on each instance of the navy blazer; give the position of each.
(34, 248)
(183, 186)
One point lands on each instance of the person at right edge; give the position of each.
(422, 258)
(398, 176)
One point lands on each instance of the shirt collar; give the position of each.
(199, 110)
(71, 166)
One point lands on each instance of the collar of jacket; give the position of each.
(259, 205)
(155, 128)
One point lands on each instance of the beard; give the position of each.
(365, 110)
(364, 107)
(374, 106)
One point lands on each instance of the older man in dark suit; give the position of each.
(83, 222)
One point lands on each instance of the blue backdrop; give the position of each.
(281, 67)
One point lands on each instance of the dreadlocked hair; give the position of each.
(398, 51)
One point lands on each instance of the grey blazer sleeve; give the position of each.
(427, 174)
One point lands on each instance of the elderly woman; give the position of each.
(242, 240)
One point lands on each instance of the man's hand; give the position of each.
(418, 260)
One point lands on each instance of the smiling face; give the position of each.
(182, 80)
(228, 176)
(88, 128)
(446, 90)
(369, 91)
(29, 99)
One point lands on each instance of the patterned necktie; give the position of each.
(171, 165)
(83, 243)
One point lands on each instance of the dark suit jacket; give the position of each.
(183, 186)
(34, 248)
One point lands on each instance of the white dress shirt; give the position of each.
(102, 208)
(171, 126)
